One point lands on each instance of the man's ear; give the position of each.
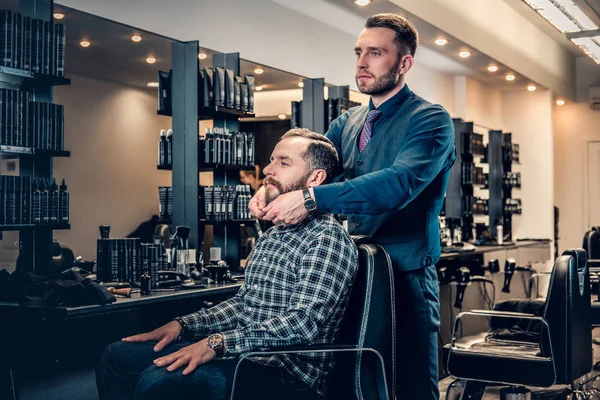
(406, 63)
(316, 178)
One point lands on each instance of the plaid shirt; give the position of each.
(295, 292)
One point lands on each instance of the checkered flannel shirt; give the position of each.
(295, 292)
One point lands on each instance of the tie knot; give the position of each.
(373, 115)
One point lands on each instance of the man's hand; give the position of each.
(192, 356)
(258, 203)
(287, 208)
(163, 335)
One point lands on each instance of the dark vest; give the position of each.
(409, 235)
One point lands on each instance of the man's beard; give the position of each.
(382, 84)
(272, 194)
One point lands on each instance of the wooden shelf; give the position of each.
(165, 167)
(18, 227)
(15, 150)
(19, 77)
(52, 153)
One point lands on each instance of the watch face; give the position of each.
(214, 341)
(310, 205)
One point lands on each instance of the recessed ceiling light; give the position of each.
(152, 84)
(84, 43)
(441, 42)
(136, 38)
(58, 15)
(362, 3)
(258, 71)
(281, 116)
(492, 68)
(202, 56)
(150, 60)
(300, 84)
(464, 54)
(510, 77)
(258, 88)
(560, 102)
(531, 88)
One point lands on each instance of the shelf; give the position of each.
(52, 153)
(18, 227)
(164, 222)
(15, 150)
(19, 77)
(222, 113)
(27, 151)
(211, 167)
(214, 113)
(230, 221)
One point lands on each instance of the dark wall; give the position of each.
(267, 135)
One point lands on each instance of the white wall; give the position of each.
(528, 116)
(575, 125)
(112, 132)
(484, 105)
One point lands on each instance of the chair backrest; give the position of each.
(591, 243)
(568, 314)
(369, 322)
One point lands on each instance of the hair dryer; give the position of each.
(509, 269)
(463, 278)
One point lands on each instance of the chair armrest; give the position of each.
(307, 348)
(506, 314)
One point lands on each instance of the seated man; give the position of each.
(295, 292)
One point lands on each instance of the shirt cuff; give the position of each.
(235, 342)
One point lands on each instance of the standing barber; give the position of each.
(397, 153)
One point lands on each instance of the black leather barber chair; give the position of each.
(366, 345)
(525, 349)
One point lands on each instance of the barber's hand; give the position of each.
(192, 356)
(258, 203)
(164, 335)
(287, 208)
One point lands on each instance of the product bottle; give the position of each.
(53, 202)
(162, 147)
(169, 147)
(499, 234)
(44, 202)
(63, 196)
(36, 210)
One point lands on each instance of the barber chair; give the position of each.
(525, 349)
(365, 350)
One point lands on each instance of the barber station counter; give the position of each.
(541, 247)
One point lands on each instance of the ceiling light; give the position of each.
(560, 102)
(58, 15)
(564, 15)
(136, 38)
(258, 88)
(84, 43)
(300, 84)
(202, 56)
(152, 84)
(441, 42)
(281, 116)
(150, 60)
(464, 54)
(510, 77)
(590, 46)
(492, 68)
(531, 88)
(362, 3)
(258, 71)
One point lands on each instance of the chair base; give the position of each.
(515, 393)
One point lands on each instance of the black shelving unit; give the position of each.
(35, 241)
(496, 171)
(211, 167)
(509, 157)
(186, 162)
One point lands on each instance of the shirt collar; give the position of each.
(312, 216)
(392, 104)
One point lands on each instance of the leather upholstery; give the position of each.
(591, 243)
(505, 357)
(369, 322)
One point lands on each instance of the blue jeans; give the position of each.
(417, 326)
(126, 371)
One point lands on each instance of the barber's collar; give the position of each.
(391, 105)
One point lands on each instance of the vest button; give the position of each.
(359, 162)
(358, 224)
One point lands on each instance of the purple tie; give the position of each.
(367, 131)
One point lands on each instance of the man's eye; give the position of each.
(283, 163)
(375, 53)
(357, 54)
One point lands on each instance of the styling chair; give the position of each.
(547, 346)
(365, 351)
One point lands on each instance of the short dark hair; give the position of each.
(407, 37)
(320, 153)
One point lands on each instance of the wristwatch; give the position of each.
(216, 342)
(309, 202)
